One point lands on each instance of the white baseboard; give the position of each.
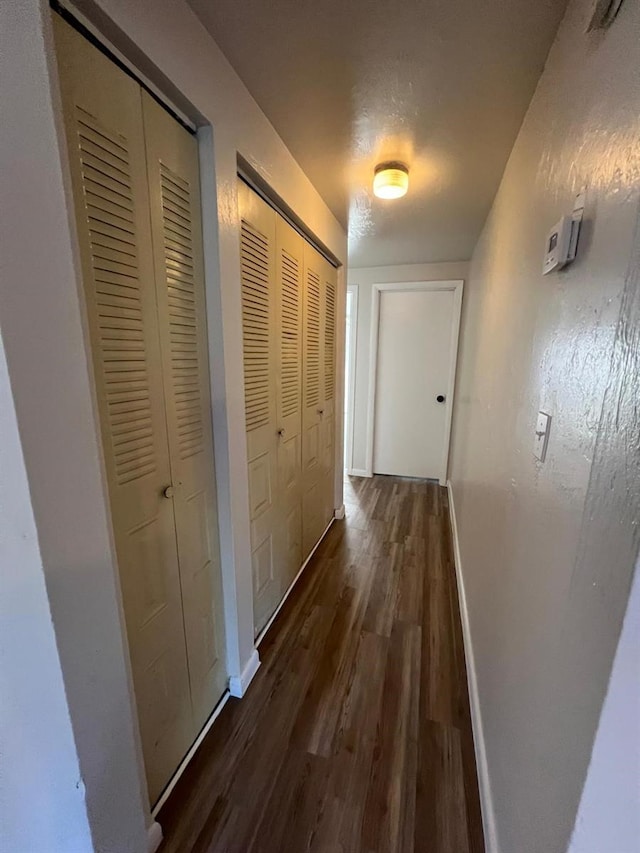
(339, 513)
(238, 684)
(154, 837)
(359, 472)
(292, 584)
(484, 783)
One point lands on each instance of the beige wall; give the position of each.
(364, 278)
(548, 549)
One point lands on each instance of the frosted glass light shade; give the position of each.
(390, 180)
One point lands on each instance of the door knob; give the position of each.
(441, 398)
(168, 491)
(321, 412)
(281, 432)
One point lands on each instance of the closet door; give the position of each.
(174, 189)
(104, 127)
(258, 276)
(289, 279)
(313, 522)
(328, 422)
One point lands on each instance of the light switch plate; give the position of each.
(543, 425)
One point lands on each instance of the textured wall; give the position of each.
(548, 549)
(609, 813)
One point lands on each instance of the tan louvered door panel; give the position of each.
(258, 274)
(172, 167)
(289, 281)
(313, 399)
(103, 118)
(328, 424)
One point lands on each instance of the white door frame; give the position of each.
(455, 286)
(350, 386)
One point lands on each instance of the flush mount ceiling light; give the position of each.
(390, 180)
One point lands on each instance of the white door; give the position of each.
(289, 279)
(328, 421)
(349, 370)
(313, 399)
(105, 132)
(136, 184)
(258, 270)
(174, 189)
(414, 363)
(289, 299)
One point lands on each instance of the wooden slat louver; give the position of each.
(290, 334)
(312, 354)
(329, 341)
(108, 199)
(183, 319)
(255, 322)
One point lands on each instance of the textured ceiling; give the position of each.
(440, 84)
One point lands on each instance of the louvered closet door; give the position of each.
(173, 173)
(289, 280)
(258, 274)
(313, 522)
(328, 423)
(103, 117)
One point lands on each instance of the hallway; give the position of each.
(355, 734)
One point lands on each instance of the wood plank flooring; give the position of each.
(355, 735)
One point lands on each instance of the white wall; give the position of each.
(43, 320)
(609, 813)
(51, 815)
(548, 549)
(364, 278)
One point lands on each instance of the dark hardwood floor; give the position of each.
(355, 734)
